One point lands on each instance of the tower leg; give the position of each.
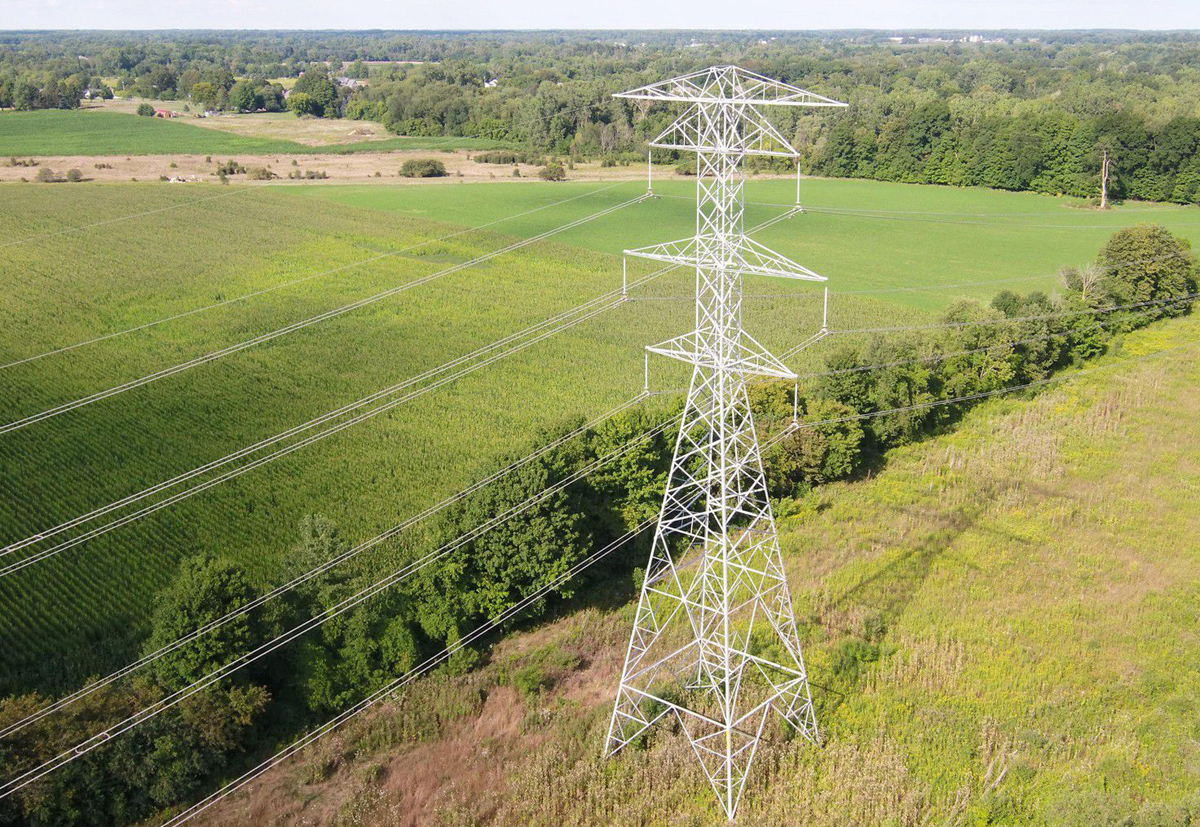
(715, 577)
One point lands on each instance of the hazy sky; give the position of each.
(599, 14)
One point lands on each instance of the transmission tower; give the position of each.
(714, 641)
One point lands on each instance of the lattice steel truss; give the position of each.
(714, 641)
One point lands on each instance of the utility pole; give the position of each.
(715, 574)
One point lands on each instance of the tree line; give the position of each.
(1033, 111)
(867, 399)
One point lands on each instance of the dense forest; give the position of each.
(1017, 111)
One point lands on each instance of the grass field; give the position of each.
(1001, 627)
(862, 235)
(85, 610)
(84, 132)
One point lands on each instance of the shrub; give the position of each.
(552, 172)
(145, 110)
(423, 168)
(74, 176)
(45, 175)
(308, 174)
(501, 156)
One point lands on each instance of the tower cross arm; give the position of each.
(744, 255)
(728, 84)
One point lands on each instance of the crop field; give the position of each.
(84, 132)
(200, 246)
(992, 635)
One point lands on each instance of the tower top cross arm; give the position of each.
(731, 85)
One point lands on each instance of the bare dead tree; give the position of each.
(1105, 168)
(1085, 279)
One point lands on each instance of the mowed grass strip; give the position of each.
(83, 132)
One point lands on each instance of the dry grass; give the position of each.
(355, 168)
(1030, 583)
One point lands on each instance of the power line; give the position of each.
(937, 357)
(230, 667)
(279, 452)
(151, 711)
(313, 573)
(299, 580)
(292, 283)
(427, 665)
(991, 224)
(41, 536)
(999, 391)
(403, 680)
(916, 215)
(925, 287)
(1015, 319)
(299, 325)
(613, 297)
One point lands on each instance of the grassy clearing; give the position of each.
(86, 610)
(1001, 626)
(84, 132)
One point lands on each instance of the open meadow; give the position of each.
(75, 269)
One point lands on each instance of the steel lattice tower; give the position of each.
(715, 575)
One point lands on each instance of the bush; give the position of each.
(145, 110)
(552, 172)
(45, 175)
(501, 156)
(74, 176)
(423, 168)
(308, 174)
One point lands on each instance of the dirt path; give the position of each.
(356, 168)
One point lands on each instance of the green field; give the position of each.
(1001, 628)
(862, 235)
(85, 610)
(81, 132)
